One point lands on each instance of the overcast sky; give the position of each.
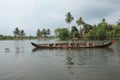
(30, 15)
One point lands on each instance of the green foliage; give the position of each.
(2, 37)
(118, 22)
(87, 28)
(22, 33)
(48, 31)
(43, 33)
(69, 18)
(39, 33)
(117, 30)
(62, 33)
(74, 32)
(102, 30)
(101, 33)
(80, 22)
(92, 34)
(16, 32)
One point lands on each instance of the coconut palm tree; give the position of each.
(48, 31)
(118, 22)
(39, 33)
(80, 22)
(69, 18)
(104, 24)
(16, 32)
(22, 33)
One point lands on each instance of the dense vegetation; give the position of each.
(43, 33)
(81, 30)
(20, 34)
(103, 30)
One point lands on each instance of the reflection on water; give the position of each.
(20, 61)
(77, 58)
(7, 50)
(19, 51)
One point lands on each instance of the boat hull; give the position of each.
(73, 45)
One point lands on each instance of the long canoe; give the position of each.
(73, 45)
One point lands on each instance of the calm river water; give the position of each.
(18, 61)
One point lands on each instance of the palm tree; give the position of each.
(48, 31)
(44, 32)
(39, 33)
(16, 32)
(103, 21)
(69, 18)
(104, 24)
(80, 22)
(22, 33)
(118, 22)
(87, 27)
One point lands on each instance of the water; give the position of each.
(18, 61)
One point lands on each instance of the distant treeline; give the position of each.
(20, 34)
(2, 37)
(102, 30)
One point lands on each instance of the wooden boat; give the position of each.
(73, 45)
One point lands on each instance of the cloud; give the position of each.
(95, 10)
(33, 14)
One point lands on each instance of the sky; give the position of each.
(31, 15)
